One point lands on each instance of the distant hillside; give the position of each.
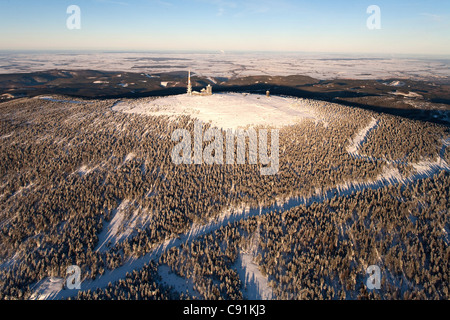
(413, 99)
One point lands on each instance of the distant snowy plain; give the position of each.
(233, 64)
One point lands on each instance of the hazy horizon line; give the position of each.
(191, 51)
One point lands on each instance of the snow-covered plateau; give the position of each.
(225, 110)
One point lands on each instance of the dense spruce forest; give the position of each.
(71, 169)
(322, 251)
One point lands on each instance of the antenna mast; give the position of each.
(189, 88)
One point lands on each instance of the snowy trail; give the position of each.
(231, 215)
(361, 137)
(256, 286)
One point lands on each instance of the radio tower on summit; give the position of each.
(204, 92)
(189, 87)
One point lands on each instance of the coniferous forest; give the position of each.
(82, 184)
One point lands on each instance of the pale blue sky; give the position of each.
(408, 26)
